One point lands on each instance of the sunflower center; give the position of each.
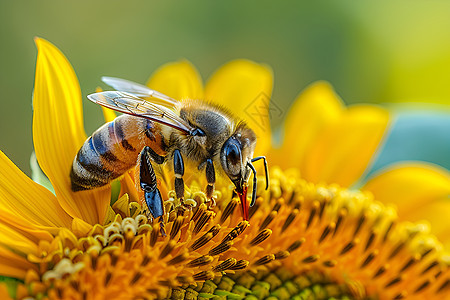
(302, 239)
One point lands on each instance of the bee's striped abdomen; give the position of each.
(112, 150)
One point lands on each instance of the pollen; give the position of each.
(301, 241)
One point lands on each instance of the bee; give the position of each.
(156, 129)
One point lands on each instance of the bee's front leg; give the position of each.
(149, 185)
(211, 179)
(178, 168)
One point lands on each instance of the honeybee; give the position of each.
(161, 130)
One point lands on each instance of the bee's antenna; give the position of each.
(266, 168)
(254, 183)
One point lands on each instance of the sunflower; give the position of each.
(308, 236)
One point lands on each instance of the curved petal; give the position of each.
(315, 108)
(58, 132)
(245, 88)
(28, 201)
(10, 238)
(23, 226)
(420, 191)
(410, 186)
(128, 186)
(80, 228)
(344, 149)
(178, 80)
(14, 265)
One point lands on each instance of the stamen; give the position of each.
(204, 275)
(430, 266)
(313, 213)
(178, 259)
(311, 259)
(326, 231)
(341, 216)
(167, 249)
(200, 261)
(410, 262)
(422, 286)
(268, 220)
(282, 255)
(240, 264)
(361, 221)
(349, 246)
(397, 250)
(264, 260)
(369, 259)
(236, 231)
(203, 219)
(222, 247)
(380, 271)
(330, 263)
(289, 219)
(370, 240)
(225, 265)
(295, 245)
(393, 282)
(176, 226)
(229, 209)
(200, 210)
(261, 237)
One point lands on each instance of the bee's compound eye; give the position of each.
(231, 157)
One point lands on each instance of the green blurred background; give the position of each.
(374, 51)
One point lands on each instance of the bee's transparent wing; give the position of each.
(138, 90)
(130, 104)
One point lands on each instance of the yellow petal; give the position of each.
(121, 205)
(28, 201)
(127, 186)
(80, 228)
(245, 88)
(21, 225)
(12, 239)
(179, 80)
(420, 191)
(342, 151)
(437, 214)
(315, 108)
(58, 132)
(410, 186)
(13, 265)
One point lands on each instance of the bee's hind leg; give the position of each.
(178, 168)
(148, 184)
(211, 179)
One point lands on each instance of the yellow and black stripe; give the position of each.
(112, 150)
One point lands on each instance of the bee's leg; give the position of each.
(178, 168)
(266, 169)
(155, 156)
(211, 179)
(148, 183)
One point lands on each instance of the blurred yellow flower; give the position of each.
(307, 236)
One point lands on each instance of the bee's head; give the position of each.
(236, 152)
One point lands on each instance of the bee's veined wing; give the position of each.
(138, 90)
(130, 104)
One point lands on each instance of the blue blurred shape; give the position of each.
(416, 135)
